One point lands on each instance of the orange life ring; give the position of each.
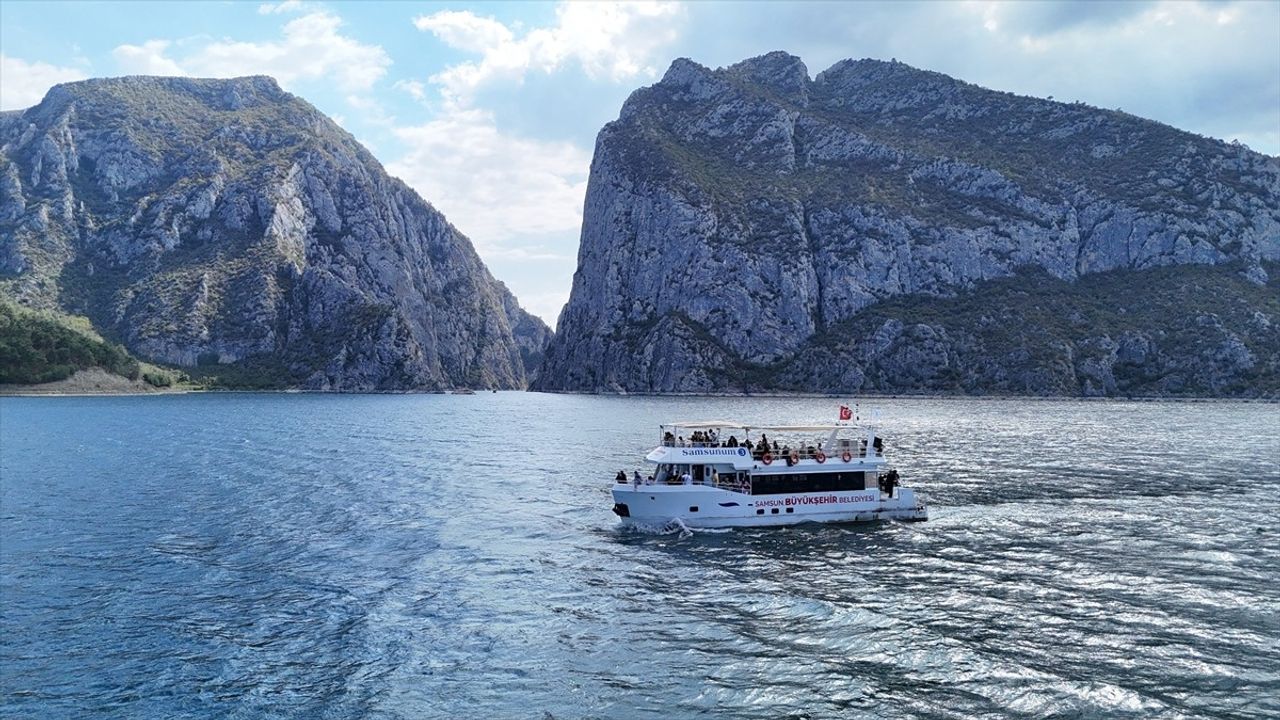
(820, 457)
(795, 456)
(846, 456)
(767, 459)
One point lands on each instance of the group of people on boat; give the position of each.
(636, 479)
(710, 438)
(763, 447)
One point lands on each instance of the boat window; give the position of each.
(809, 482)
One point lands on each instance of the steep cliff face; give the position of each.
(736, 218)
(228, 223)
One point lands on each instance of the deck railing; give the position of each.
(856, 448)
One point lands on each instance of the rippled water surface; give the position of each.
(454, 556)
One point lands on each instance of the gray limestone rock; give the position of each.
(227, 222)
(767, 209)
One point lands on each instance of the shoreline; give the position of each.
(35, 391)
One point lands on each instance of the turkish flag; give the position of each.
(845, 413)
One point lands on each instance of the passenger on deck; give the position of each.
(732, 441)
(747, 444)
(682, 443)
(786, 453)
(668, 439)
(713, 436)
(686, 478)
(764, 441)
(636, 479)
(621, 477)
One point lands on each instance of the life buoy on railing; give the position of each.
(846, 456)
(795, 456)
(820, 457)
(767, 459)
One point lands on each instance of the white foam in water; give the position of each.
(677, 525)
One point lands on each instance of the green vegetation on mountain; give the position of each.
(41, 346)
(1172, 331)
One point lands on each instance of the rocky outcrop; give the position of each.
(1198, 330)
(736, 218)
(226, 224)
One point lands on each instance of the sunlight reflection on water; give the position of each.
(438, 556)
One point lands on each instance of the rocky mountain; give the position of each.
(229, 226)
(882, 228)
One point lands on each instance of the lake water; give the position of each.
(435, 556)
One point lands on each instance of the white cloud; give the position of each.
(610, 40)
(147, 59)
(546, 305)
(494, 187)
(371, 110)
(465, 30)
(416, 89)
(520, 199)
(287, 6)
(310, 48)
(23, 84)
(1198, 66)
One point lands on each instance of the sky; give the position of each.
(490, 110)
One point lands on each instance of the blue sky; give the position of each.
(490, 110)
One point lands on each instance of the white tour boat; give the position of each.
(726, 474)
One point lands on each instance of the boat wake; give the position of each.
(674, 526)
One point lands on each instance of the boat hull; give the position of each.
(709, 507)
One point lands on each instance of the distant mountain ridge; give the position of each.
(227, 224)
(741, 223)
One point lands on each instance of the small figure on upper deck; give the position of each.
(621, 477)
(668, 439)
(732, 441)
(636, 479)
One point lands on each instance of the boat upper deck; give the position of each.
(746, 446)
